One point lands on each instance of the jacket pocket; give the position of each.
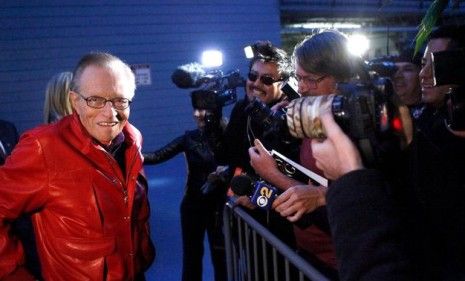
(86, 248)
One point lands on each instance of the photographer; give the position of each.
(434, 97)
(321, 61)
(382, 232)
(267, 69)
(205, 196)
(406, 81)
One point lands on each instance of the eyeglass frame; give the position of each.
(311, 83)
(262, 77)
(112, 101)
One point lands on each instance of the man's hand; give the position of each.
(336, 155)
(245, 202)
(262, 162)
(299, 200)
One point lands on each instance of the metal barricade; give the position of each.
(254, 254)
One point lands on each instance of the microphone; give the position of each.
(261, 194)
(188, 76)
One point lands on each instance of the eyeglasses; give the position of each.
(265, 79)
(309, 82)
(100, 102)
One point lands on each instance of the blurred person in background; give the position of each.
(57, 103)
(205, 191)
(406, 80)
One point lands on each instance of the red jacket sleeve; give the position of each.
(23, 185)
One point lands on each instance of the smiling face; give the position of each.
(432, 95)
(406, 83)
(109, 82)
(265, 93)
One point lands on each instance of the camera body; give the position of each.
(449, 69)
(272, 122)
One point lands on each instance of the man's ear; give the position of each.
(73, 99)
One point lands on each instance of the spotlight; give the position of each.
(358, 44)
(212, 58)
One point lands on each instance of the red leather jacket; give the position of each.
(90, 219)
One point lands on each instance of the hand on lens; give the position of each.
(337, 154)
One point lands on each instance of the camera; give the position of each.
(365, 109)
(381, 67)
(272, 122)
(214, 88)
(449, 69)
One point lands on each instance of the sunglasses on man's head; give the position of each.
(265, 79)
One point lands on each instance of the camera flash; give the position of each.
(212, 58)
(248, 52)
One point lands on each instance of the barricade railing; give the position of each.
(253, 253)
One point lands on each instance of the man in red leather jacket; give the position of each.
(81, 179)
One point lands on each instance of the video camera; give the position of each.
(214, 89)
(449, 69)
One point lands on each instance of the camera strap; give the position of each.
(250, 134)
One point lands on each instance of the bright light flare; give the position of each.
(248, 51)
(212, 58)
(358, 44)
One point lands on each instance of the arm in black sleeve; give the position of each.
(366, 228)
(165, 153)
(232, 150)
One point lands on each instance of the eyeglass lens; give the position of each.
(99, 102)
(265, 79)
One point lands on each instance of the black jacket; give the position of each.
(239, 136)
(414, 231)
(198, 148)
(8, 138)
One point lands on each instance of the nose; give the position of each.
(301, 88)
(257, 81)
(426, 72)
(109, 110)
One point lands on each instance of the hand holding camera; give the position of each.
(336, 155)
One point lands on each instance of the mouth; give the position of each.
(107, 124)
(258, 93)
